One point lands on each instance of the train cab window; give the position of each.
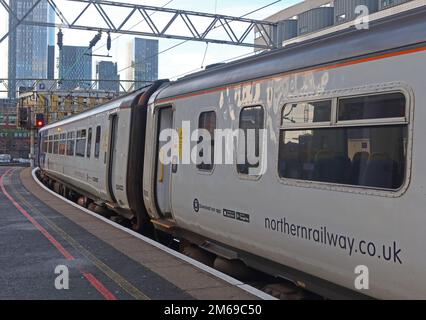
(89, 143)
(368, 153)
(45, 144)
(80, 145)
(63, 144)
(56, 144)
(98, 142)
(50, 145)
(207, 127)
(249, 141)
(70, 143)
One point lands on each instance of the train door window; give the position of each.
(207, 127)
(369, 151)
(98, 142)
(89, 143)
(56, 144)
(63, 144)
(80, 145)
(249, 141)
(50, 144)
(70, 143)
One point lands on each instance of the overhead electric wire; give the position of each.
(185, 41)
(223, 61)
(86, 51)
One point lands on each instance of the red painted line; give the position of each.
(90, 277)
(99, 286)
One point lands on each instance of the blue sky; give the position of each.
(185, 58)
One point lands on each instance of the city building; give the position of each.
(143, 56)
(75, 67)
(311, 18)
(28, 45)
(107, 76)
(13, 141)
(51, 62)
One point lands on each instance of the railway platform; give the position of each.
(43, 237)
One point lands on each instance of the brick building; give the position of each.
(13, 141)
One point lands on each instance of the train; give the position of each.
(338, 181)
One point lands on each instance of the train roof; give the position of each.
(121, 101)
(397, 31)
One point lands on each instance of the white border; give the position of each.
(232, 281)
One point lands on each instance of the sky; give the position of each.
(183, 59)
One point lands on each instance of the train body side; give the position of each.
(266, 215)
(105, 165)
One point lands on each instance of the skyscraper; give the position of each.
(51, 45)
(144, 57)
(27, 44)
(107, 76)
(75, 67)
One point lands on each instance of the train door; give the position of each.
(165, 118)
(112, 155)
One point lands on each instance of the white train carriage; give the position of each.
(99, 153)
(340, 181)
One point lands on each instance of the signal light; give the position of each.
(39, 120)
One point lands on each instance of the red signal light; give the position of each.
(40, 120)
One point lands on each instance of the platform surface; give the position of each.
(39, 232)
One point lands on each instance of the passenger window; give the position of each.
(368, 155)
(56, 144)
(89, 142)
(207, 126)
(307, 112)
(70, 144)
(98, 142)
(63, 144)
(249, 142)
(80, 146)
(372, 107)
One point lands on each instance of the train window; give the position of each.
(307, 112)
(383, 106)
(80, 145)
(207, 126)
(370, 154)
(251, 122)
(98, 142)
(56, 144)
(63, 144)
(89, 143)
(50, 144)
(45, 145)
(70, 144)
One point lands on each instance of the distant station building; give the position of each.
(143, 56)
(75, 67)
(28, 45)
(13, 141)
(315, 16)
(56, 105)
(107, 76)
